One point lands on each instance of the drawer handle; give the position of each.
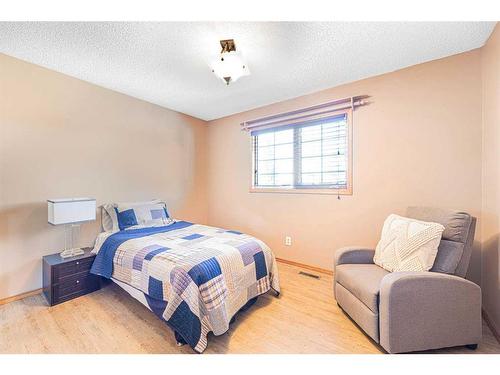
(78, 281)
(77, 263)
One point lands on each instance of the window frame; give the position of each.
(305, 189)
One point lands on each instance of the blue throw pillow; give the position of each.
(126, 218)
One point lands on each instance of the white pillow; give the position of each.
(408, 244)
(108, 220)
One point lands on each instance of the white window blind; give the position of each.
(309, 155)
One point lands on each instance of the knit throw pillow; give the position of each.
(408, 244)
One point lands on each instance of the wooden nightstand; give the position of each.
(68, 278)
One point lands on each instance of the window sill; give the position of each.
(347, 191)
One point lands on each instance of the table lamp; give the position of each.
(71, 212)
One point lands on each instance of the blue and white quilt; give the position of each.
(194, 277)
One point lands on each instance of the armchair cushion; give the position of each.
(459, 228)
(456, 224)
(448, 257)
(428, 310)
(362, 281)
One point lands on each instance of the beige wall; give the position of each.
(62, 137)
(490, 56)
(418, 143)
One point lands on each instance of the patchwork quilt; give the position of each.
(194, 277)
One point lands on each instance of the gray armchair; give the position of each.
(413, 311)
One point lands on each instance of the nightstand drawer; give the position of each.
(68, 278)
(71, 268)
(71, 286)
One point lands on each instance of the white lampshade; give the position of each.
(71, 210)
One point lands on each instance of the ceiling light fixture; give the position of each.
(229, 66)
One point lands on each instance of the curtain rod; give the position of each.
(331, 106)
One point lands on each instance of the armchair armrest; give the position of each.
(428, 310)
(354, 255)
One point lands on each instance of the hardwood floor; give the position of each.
(305, 319)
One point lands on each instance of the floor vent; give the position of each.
(308, 274)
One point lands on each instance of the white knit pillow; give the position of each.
(407, 244)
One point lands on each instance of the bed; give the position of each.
(194, 277)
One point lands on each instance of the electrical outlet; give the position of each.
(288, 241)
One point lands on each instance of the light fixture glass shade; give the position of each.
(230, 67)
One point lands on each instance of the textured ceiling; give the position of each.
(167, 62)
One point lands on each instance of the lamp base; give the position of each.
(71, 253)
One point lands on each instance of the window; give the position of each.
(310, 155)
